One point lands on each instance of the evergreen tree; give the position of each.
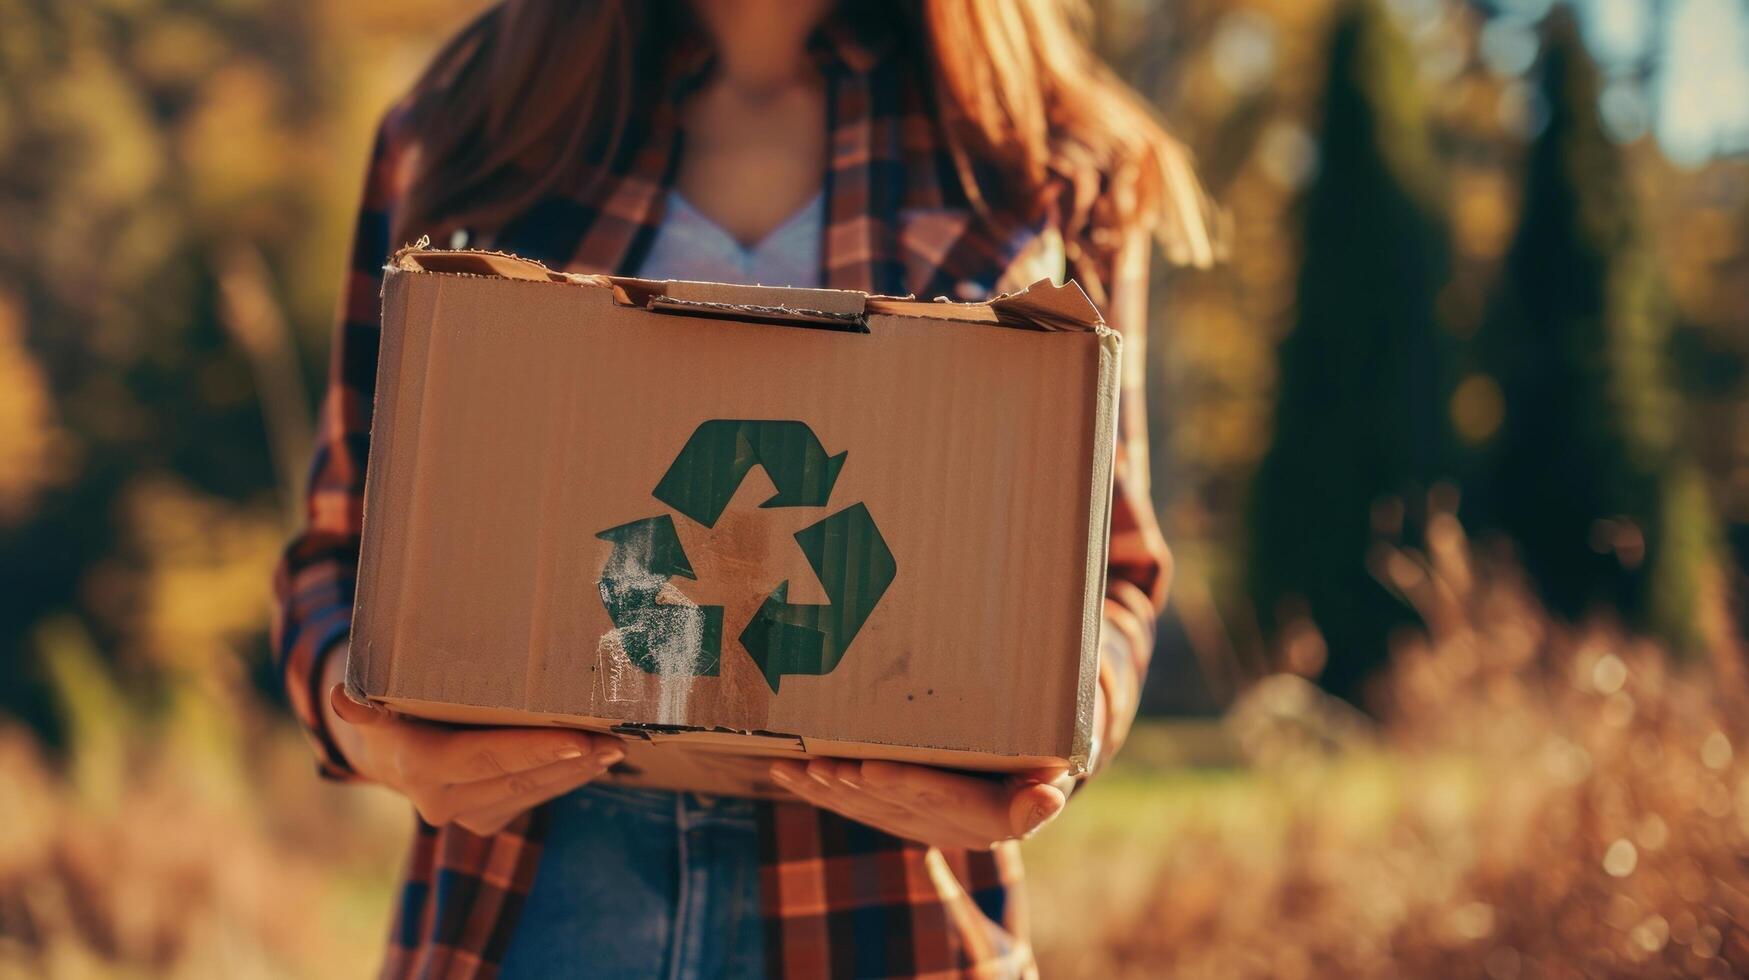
(1364, 377)
(1586, 474)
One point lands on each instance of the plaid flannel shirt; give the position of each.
(839, 898)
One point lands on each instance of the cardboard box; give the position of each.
(728, 521)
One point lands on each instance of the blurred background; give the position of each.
(1453, 452)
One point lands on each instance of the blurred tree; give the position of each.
(138, 142)
(1586, 471)
(1360, 423)
(175, 177)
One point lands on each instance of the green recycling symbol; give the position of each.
(845, 549)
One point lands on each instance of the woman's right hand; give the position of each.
(477, 778)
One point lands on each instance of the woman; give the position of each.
(936, 147)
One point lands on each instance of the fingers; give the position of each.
(1032, 806)
(1056, 775)
(355, 712)
(935, 789)
(485, 807)
(477, 778)
(980, 807)
(412, 755)
(926, 804)
(425, 753)
(447, 756)
(812, 786)
(527, 788)
(841, 780)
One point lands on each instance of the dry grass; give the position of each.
(1542, 801)
(1539, 801)
(195, 842)
(170, 879)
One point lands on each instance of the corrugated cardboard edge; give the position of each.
(366, 673)
(724, 741)
(1098, 541)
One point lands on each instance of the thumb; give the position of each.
(354, 712)
(1050, 776)
(1033, 807)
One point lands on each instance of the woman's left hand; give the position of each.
(929, 805)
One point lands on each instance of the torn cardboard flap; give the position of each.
(660, 509)
(1043, 305)
(1048, 306)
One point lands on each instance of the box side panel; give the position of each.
(548, 420)
(410, 303)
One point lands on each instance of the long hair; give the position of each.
(537, 92)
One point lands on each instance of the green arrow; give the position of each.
(855, 567)
(647, 547)
(659, 638)
(721, 452)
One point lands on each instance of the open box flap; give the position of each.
(1043, 305)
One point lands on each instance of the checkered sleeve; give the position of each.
(313, 585)
(1139, 565)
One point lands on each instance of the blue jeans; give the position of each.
(636, 883)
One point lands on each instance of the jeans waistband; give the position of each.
(671, 808)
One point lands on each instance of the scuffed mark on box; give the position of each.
(671, 633)
(623, 682)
